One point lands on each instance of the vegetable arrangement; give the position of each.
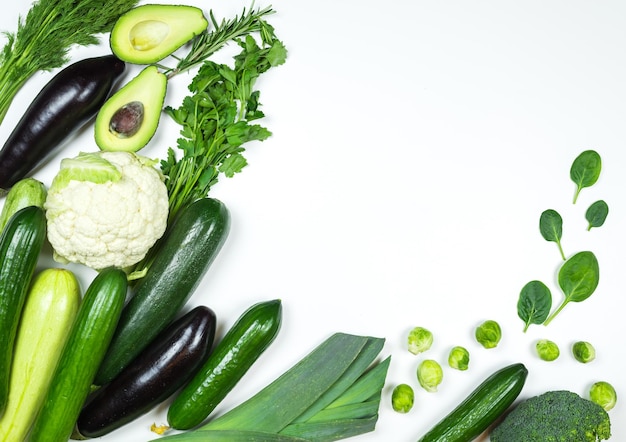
(151, 234)
(110, 357)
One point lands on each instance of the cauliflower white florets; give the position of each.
(106, 209)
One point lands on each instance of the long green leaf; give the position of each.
(230, 436)
(286, 398)
(367, 386)
(365, 358)
(360, 410)
(331, 431)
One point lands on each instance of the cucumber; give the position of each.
(242, 345)
(48, 314)
(20, 244)
(188, 248)
(481, 408)
(82, 354)
(26, 192)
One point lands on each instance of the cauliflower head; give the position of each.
(106, 209)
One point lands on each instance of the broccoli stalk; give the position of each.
(554, 416)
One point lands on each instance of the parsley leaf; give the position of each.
(218, 118)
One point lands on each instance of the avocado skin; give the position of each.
(165, 27)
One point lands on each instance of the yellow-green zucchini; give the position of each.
(48, 314)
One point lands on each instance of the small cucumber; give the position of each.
(82, 354)
(26, 192)
(185, 253)
(481, 408)
(47, 317)
(161, 369)
(20, 244)
(242, 345)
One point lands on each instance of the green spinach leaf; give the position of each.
(585, 170)
(551, 228)
(578, 278)
(534, 303)
(596, 214)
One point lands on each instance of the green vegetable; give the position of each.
(551, 228)
(481, 407)
(21, 242)
(429, 375)
(419, 340)
(402, 398)
(554, 415)
(328, 395)
(181, 258)
(488, 334)
(585, 170)
(459, 358)
(24, 193)
(534, 303)
(583, 351)
(233, 356)
(596, 214)
(603, 394)
(547, 350)
(217, 119)
(83, 352)
(47, 317)
(578, 278)
(44, 38)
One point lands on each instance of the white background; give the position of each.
(415, 145)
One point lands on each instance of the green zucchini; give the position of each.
(20, 244)
(48, 314)
(185, 253)
(88, 340)
(24, 193)
(242, 345)
(481, 408)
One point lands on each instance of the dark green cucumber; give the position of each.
(185, 253)
(242, 345)
(481, 408)
(20, 244)
(86, 344)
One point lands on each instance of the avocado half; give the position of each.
(129, 118)
(151, 32)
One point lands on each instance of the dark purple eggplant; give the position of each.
(64, 105)
(161, 369)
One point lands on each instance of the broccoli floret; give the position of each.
(555, 416)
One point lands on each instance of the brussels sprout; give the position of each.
(458, 358)
(488, 334)
(429, 375)
(420, 340)
(547, 350)
(603, 394)
(402, 398)
(583, 352)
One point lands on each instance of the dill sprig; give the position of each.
(43, 39)
(209, 42)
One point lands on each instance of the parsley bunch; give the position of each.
(218, 118)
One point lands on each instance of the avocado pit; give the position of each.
(127, 120)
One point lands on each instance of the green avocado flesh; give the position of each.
(149, 33)
(129, 118)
